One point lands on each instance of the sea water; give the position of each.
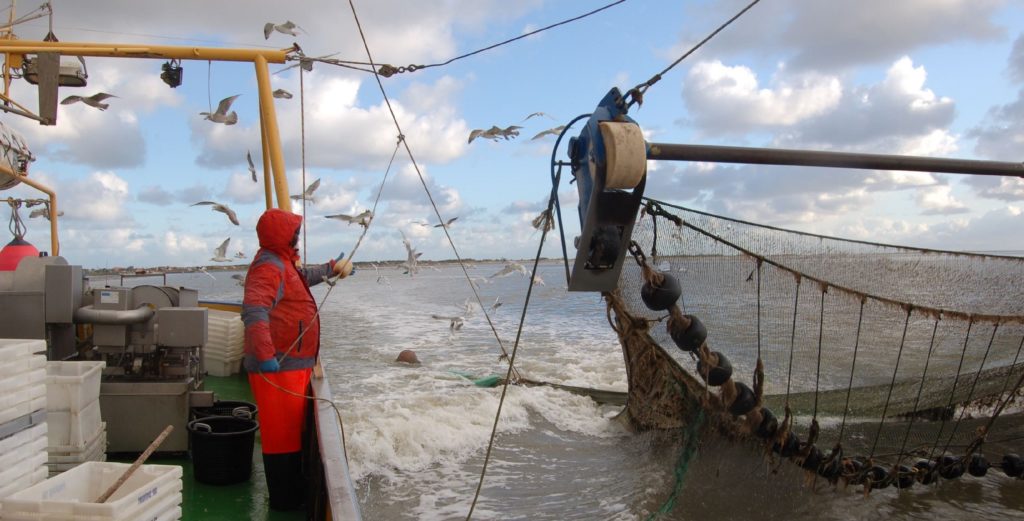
(417, 436)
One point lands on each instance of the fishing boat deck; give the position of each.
(246, 500)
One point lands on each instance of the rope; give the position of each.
(821, 329)
(920, 388)
(792, 340)
(15, 224)
(388, 70)
(302, 139)
(970, 394)
(430, 197)
(636, 94)
(853, 367)
(511, 365)
(892, 384)
(952, 391)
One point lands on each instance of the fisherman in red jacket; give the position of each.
(282, 340)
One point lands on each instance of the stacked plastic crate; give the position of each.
(76, 431)
(152, 492)
(22, 414)
(222, 354)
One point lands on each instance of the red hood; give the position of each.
(275, 230)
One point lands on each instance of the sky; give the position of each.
(922, 77)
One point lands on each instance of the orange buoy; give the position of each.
(16, 250)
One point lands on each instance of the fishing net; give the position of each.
(891, 352)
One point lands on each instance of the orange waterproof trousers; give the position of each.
(281, 413)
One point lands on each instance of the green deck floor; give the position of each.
(244, 501)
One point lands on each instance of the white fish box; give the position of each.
(21, 483)
(90, 452)
(18, 349)
(70, 386)
(20, 365)
(150, 493)
(216, 366)
(25, 467)
(24, 400)
(75, 429)
(17, 441)
(22, 453)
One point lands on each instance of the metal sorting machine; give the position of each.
(150, 337)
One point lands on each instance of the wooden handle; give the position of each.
(138, 462)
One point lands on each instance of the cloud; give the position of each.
(939, 200)
(156, 195)
(1000, 134)
(833, 36)
(1016, 62)
(724, 99)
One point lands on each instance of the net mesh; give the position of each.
(893, 349)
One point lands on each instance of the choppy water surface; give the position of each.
(417, 435)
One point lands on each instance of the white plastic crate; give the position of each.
(75, 429)
(70, 386)
(25, 467)
(28, 377)
(22, 401)
(14, 457)
(91, 452)
(147, 494)
(21, 365)
(21, 483)
(219, 367)
(15, 351)
(22, 438)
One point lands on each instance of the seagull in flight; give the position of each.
(412, 257)
(510, 268)
(454, 323)
(362, 219)
(492, 133)
(445, 225)
(93, 101)
(497, 304)
(381, 279)
(221, 115)
(204, 272)
(252, 166)
(544, 114)
(307, 194)
(219, 255)
(282, 94)
(240, 255)
(217, 207)
(240, 278)
(288, 27)
(549, 132)
(537, 281)
(43, 212)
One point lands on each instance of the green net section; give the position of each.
(849, 331)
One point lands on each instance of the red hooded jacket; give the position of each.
(278, 310)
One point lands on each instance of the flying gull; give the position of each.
(217, 207)
(288, 27)
(222, 115)
(362, 219)
(549, 132)
(282, 94)
(412, 257)
(219, 255)
(252, 166)
(240, 278)
(445, 225)
(544, 114)
(92, 101)
(308, 193)
(510, 268)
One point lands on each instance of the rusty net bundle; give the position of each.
(890, 352)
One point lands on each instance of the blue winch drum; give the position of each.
(221, 448)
